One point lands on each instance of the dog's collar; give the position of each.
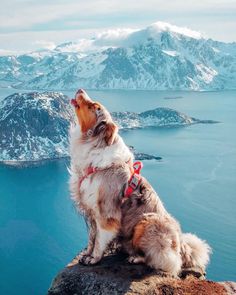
(134, 180)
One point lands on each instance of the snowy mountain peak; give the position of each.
(159, 27)
(131, 37)
(161, 56)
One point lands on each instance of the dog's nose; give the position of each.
(82, 95)
(80, 91)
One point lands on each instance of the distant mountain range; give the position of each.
(34, 126)
(161, 56)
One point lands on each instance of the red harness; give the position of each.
(90, 170)
(133, 182)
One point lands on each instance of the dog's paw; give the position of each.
(83, 253)
(89, 260)
(80, 257)
(135, 259)
(83, 258)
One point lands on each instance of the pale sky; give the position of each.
(32, 24)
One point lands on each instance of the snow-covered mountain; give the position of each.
(161, 56)
(34, 126)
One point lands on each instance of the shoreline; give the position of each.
(31, 163)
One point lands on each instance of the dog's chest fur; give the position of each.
(86, 154)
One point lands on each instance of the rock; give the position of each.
(142, 156)
(114, 275)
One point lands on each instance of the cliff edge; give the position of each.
(114, 275)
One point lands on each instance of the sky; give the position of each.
(27, 25)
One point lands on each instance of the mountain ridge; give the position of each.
(158, 57)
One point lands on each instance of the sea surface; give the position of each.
(40, 230)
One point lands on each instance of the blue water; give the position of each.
(40, 231)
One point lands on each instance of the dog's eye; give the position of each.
(99, 109)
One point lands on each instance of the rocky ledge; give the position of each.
(114, 275)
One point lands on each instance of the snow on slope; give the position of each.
(34, 126)
(161, 56)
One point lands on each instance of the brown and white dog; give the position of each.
(101, 167)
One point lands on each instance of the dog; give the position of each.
(118, 203)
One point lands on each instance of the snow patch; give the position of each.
(206, 73)
(171, 52)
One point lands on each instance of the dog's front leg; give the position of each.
(102, 240)
(91, 241)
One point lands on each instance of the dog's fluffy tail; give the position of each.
(195, 252)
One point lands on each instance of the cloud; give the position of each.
(163, 26)
(28, 41)
(4, 52)
(29, 13)
(113, 37)
(43, 44)
(129, 37)
(26, 14)
(24, 22)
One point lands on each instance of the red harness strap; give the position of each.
(134, 180)
(90, 170)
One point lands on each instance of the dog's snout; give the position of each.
(80, 91)
(82, 95)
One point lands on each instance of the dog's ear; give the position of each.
(111, 132)
(99, 128)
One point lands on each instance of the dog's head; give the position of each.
(94, 119)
